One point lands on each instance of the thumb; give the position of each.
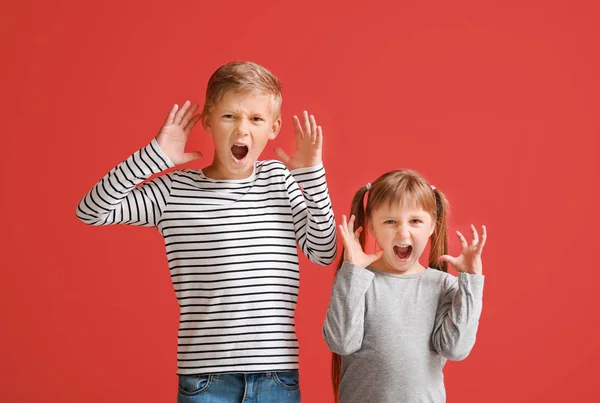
(282, 156)
(448, 258)
(375, 256)
(191, 156)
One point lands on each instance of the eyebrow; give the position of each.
(234, 111)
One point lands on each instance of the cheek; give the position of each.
(382, 237)
(219, 140)
(262, 137)
(423, 238)
(266, 133)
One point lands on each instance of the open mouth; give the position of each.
(403, 251)
(239, 152)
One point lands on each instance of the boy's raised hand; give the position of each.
(309, 144)
(353, 252)
(173, 135)
(469, 260)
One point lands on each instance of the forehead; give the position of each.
(407, 206)
(246, 101)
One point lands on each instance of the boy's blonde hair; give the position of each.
(242, 77)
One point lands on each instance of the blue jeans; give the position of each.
(264, 387)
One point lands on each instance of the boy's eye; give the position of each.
(228, 116)
(257, 119)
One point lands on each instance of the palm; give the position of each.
(309, 144)
(305, 156)
(353, 251)
(173, 135)
(468, 262)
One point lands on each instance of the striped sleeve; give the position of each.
(314, 222)
(116, 198)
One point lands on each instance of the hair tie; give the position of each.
(368, 185)
(432, 187)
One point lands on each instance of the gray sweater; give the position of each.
(396, 332)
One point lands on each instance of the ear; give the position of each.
(432, 228)
(275, 128)
(369, 225)
(206, 123)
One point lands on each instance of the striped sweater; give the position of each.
(231, 250)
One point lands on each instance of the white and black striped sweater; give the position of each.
(231, 248)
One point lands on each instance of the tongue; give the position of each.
(402, 252)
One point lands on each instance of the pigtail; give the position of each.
(336, 371)
(357, 209)
(439, 238)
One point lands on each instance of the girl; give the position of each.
(393, 321)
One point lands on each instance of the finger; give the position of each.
(319, 140)
(282, 156)
(298, 128)
(357, 232)
(188, 115)
(344, 232)
(313, 129)
(351, 224)
(350, 227)
(171, 115)
(463, 241)
(343, 235)
(481, 244)
(306, 127)
(344, 222)
(190, 125)
(191, 156)
(181, 112)
(475, 236)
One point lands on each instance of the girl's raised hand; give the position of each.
(353, 252)
(469, 260)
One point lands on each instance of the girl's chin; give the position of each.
(402, 265)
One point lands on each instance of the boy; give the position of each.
(230, 233)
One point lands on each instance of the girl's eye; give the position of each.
(389, 222)
(415, 221)
(228, 116)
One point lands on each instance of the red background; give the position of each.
(496, 103)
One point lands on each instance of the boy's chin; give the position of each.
(241, 167)
(229, 168)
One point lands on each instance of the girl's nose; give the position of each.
(403, 232)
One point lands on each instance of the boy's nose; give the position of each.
(242, 128)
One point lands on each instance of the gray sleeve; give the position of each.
(344, 321)
(457, 318)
